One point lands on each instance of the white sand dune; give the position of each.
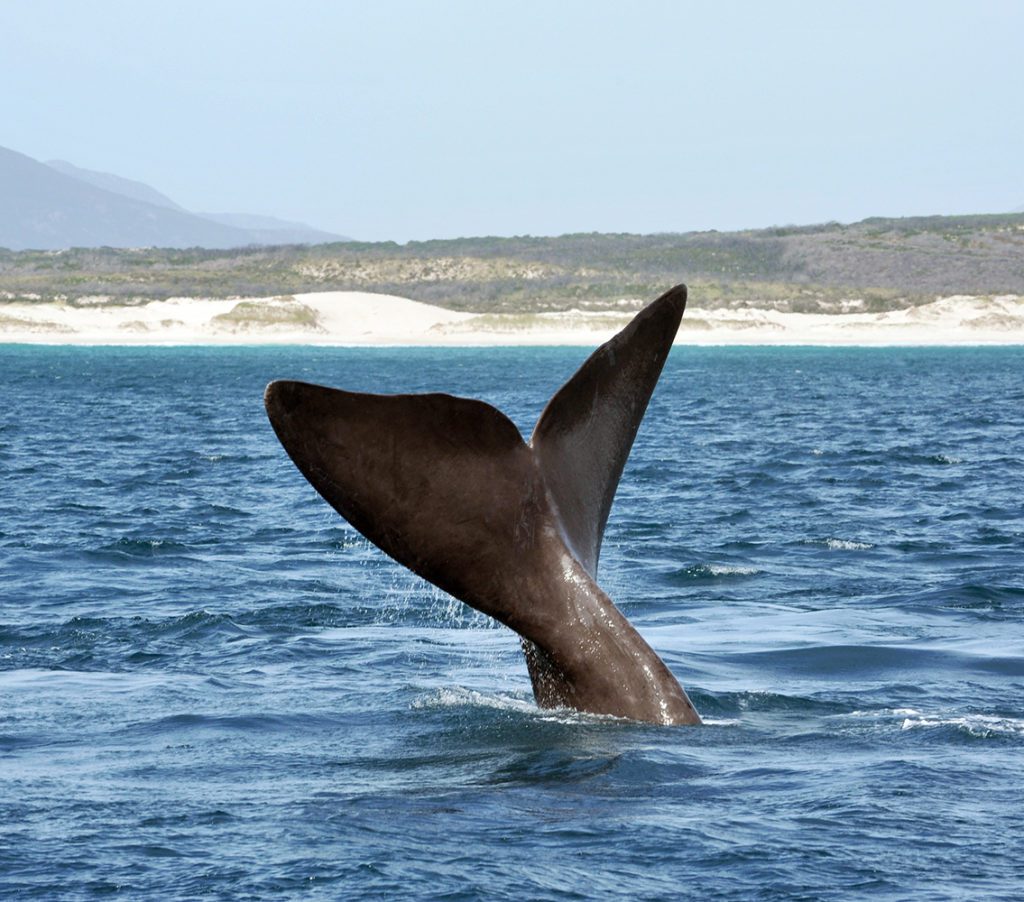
(359, 318)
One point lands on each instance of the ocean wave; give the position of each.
(847, 545)
(727, 705)
(884, 712)
(263, 722)
(196, 625)
(872, 661)
(72, 682)
(705, 573)
(836, 544)
(287, 618)
(458, 697)
(138, 549)
(977, 600)
(128, 635)
(982, 726)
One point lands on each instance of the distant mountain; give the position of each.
(271, 230)
(262, 229)
(46, 209)
(109, 182)
(60, 205)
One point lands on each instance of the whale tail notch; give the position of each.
(448, 487)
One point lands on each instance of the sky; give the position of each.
(391, 120)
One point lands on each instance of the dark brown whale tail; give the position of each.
(448, 487)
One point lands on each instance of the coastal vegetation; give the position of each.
(285, 313)
(874, 265)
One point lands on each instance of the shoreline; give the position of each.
(359, 319)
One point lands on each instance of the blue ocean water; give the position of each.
(212, 687)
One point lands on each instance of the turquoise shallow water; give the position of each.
(211, 687)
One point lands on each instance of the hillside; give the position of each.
(45, 208)
(60, 205)
(115, 183)
(876, 264)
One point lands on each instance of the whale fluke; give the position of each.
(585, 433)
(447, 487)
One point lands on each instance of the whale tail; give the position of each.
(448, 487)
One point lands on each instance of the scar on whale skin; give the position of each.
(447, 487)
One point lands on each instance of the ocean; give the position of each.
(211, 687)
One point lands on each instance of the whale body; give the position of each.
(448, 487)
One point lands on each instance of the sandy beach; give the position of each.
(357, 318)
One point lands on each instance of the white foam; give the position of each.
(460, 697)
(727, 570)
(975, 724)
(886, 712)
(846, 545)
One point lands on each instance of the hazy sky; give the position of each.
(402, 120)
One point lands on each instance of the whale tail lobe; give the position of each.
(585, 434)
